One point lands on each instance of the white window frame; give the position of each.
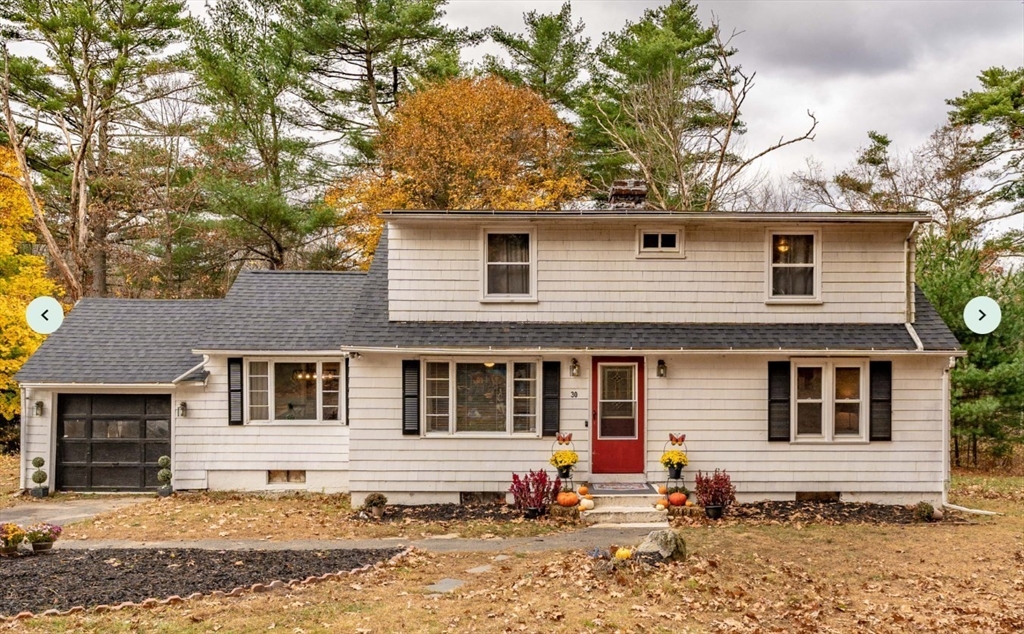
(828, 401)
(319, 420)
(636, 399)
(769, 266)
(660, 253)
(504, 298)
(509, 396)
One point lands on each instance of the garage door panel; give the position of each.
(74, 452)
(111, 442)
(116, 452)
(116, 477)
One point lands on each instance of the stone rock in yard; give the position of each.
(667, 544)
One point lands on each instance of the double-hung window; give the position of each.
(830, 400)
(294, 390)
(487, 397)
(510, 272)
(794, 273)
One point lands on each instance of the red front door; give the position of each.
(617, 426)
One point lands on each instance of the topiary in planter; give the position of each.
(39, 477)
(375, 503)
(164, 476)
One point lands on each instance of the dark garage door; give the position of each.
(111, 442)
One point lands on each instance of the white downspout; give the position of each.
(946, 479)
(21, 439)
(910, 274)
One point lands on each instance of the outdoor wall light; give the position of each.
(354, 355)
(182, 409)
(574, 368)
(39, 408)
(662, 369)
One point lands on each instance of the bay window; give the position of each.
(290, 390)
(488, 397)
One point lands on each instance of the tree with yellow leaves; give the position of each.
(22, 279)
(469, 143)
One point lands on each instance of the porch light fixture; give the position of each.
(574, 368)
(39, 408)
(488, 364)
(182, 409)
(662, 369)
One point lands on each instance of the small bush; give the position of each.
(715, 489)
(375, 499)
(923, 512)
(534, 490)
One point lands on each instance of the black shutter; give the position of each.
(411, 397)
(235, 383)
(551, 394)
(346, 392)
(881, 400)
(778, 401)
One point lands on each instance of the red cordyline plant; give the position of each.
(534, 490)
(715, 489)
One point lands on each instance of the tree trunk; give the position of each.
(99, 261)
(956, 449)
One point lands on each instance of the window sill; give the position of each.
(670, 255)
(822, 441)
(511, 299)
(483, 434)
(295, 423)
(782, 301)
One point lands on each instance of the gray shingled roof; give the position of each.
(284, 310)
(121, 341)
(370, 328)
(931, 330)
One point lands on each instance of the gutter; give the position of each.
(50, 386)
(199, 366)
(264, 353)
(646, 215)
(818, 352)
(21, 441)
(913, 335)
(910, 275)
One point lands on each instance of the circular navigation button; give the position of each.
(44, 315)
(982, 315)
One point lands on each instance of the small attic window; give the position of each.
(660, 243)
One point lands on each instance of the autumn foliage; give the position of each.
(476, 143)
(22, 279)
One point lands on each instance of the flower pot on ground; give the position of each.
(41, 536)
(10, 536)
(164, 476)
(715, 492)
(534, 491)
(375, 503)
(39, 477)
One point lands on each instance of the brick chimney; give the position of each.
(629, 193)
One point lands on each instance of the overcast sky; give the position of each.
(858, 65)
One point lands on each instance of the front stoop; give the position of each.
(624, 510)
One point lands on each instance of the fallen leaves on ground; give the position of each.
(10, 476)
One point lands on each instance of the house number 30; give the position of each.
(573, 394)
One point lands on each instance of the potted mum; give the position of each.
(42, 536)
(10, 536)
(375, 504)
(39, 477)
(564, 461)
(674, 460)
(715, 492)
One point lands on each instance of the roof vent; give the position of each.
(629, 193)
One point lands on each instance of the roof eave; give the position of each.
(649, 215)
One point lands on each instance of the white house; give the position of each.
(793, 350)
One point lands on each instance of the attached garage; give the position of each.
(111, 442)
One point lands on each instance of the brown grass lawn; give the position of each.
(739, 578)
(9, 476)
(277, 518)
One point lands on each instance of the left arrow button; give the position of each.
(44, 315)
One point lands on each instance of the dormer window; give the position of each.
(509, 266)
(659, 243)
(794, 273)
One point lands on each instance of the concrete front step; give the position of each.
(633, 501)
(624, 515)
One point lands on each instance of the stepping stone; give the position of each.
(479, 570)
(502, 558)
(445, 585)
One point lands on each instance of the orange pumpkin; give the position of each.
(663, 489)
(567, 498)
(588, 496)
(661, 501)
(583, 490)
(677, 499)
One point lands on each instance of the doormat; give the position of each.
(622, 488)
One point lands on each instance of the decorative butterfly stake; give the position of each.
(563, 439)
(677, 439)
